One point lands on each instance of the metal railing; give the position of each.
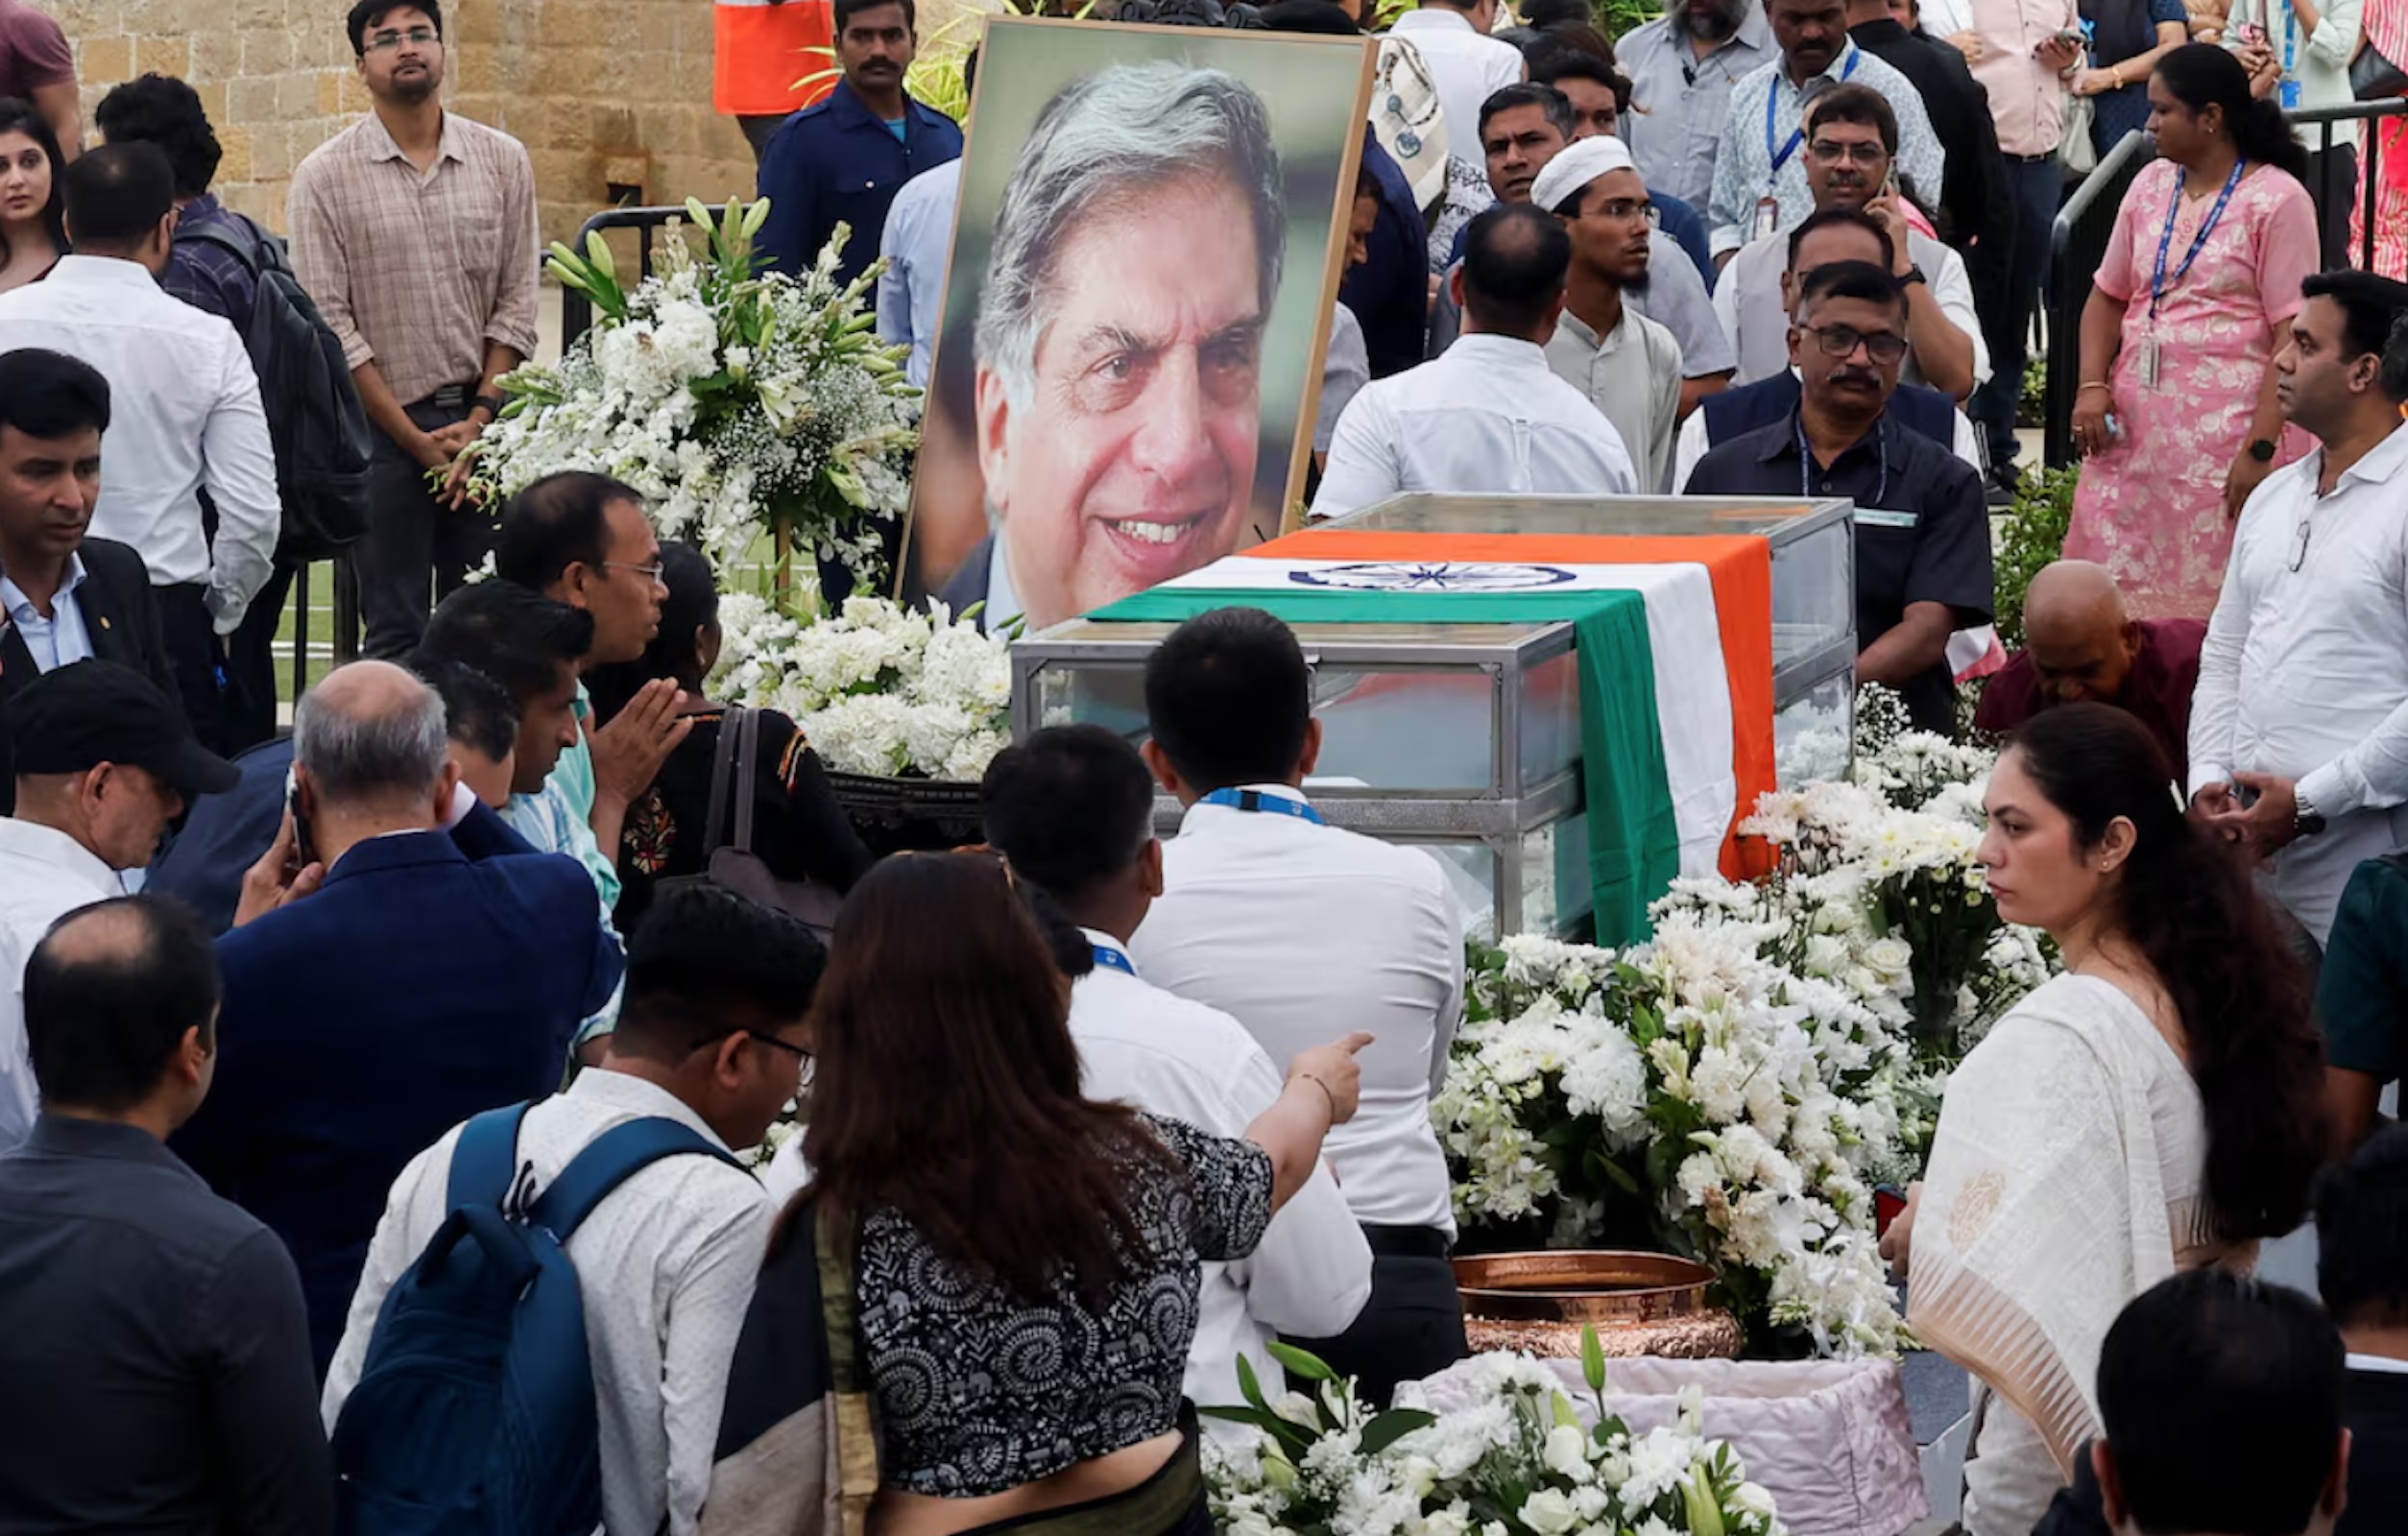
(2078, 243)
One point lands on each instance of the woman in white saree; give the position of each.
(2152, 1109)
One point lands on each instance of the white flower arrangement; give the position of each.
(741, 405)
(877, 688)
(1735, 1088)
(1517, 1461)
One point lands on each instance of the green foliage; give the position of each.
(2031, 401)
(2033, 536)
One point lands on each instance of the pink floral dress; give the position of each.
(2151, 507)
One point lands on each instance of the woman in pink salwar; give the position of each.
(2176, 416)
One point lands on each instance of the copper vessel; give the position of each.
(1640, 1304)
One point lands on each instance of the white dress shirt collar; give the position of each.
(53, 639)
(1432, 19)
(626, 1091)
(37, 844)
(77, 271)
(2375, 1364)
(1105, 940)
(2375, 467)
(1209, 813)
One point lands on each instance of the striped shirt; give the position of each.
(415, 271)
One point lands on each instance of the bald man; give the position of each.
(2079, 644)
(380, 986)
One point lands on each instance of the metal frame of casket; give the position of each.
(1465, 737)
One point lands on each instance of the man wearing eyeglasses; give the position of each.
(1626, 363)
(2299, 727)
(414, 230)
(1922, 537)
(1851, 139)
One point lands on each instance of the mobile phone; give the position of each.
(303, 854)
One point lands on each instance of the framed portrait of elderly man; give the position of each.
(1149, 235)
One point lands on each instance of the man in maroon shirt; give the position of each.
(37, 65)
(2077, 644)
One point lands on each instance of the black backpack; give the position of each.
(315, 419)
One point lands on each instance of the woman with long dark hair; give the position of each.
(1024, 1262)
(799, 831)
(2193, 299)
(2154, 1109)
(32, 204)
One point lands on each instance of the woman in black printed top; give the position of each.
(1027, 1260)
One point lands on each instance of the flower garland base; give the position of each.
(1541, 1304)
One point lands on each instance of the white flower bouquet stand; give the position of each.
(1831, 1439)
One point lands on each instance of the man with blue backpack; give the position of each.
(540, 1340)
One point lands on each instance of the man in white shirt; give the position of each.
(711, 1037)
(1851, 134)
(1488, 415)
(103, 762)
(2299, 726)
(1464, 62)
(918, 244)
(1626, 363)
(185, 413)
(1301, 931)
(1073, 810)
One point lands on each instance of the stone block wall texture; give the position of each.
(617, 93)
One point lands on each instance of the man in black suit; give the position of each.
(64, 597)
(2362, 1270)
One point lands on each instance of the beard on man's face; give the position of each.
(1712, 21)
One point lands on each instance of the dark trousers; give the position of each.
(2332, 180)
(197, 657)
(758, 130)
(1410, 1327)
(250, 660)
(416, 551)
(2035, 185)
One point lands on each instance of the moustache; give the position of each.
(1856, 377)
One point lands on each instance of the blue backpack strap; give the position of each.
(485, 1160)
(608, 1162)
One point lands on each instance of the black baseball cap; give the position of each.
(73, 718)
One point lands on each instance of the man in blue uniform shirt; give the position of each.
(843, 160)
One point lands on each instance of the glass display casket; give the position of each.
(1466, 737)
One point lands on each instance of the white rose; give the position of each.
(1549, 1512)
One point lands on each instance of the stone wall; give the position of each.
(600, 95)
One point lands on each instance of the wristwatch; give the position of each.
(490, 403)
(2262, 450)
(2305, 820)
(1913, 274)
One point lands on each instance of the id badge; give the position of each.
(1768, 216)
(2290, 95)
(2148, 363)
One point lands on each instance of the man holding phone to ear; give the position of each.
(2024, 52)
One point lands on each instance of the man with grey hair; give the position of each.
(380, 986)
(1120, 339)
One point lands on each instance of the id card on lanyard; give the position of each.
(2159, 282)
(1768, 205)
(2290, 56)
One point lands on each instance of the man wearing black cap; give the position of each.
(103, 762)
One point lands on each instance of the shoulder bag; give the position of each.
(735, 773)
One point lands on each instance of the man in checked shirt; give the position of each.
(414, 232)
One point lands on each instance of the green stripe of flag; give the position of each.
(1635, 842)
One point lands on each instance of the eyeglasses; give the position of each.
(1830, 151)
(806, 1065)
(385, 42)
(1630, 210)
(2299, 545)
(1839, 341)
(650, 573)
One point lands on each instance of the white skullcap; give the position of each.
(1576, 166)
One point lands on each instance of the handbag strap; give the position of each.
(835, 1239)
(746, 724)
(722, 765)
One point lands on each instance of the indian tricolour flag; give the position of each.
(1675, 638)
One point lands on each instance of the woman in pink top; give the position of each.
(2176, 417)
(2385, 30)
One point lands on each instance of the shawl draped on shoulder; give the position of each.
(2045, 1210)
(797, 1453)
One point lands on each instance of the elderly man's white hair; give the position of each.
(370, 733)
(1119, 133)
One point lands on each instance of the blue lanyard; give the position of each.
(1112, 959)
(2165, 237)
(2290, 87)
(1255, 800)
(1806, 465)
(1798, 134)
